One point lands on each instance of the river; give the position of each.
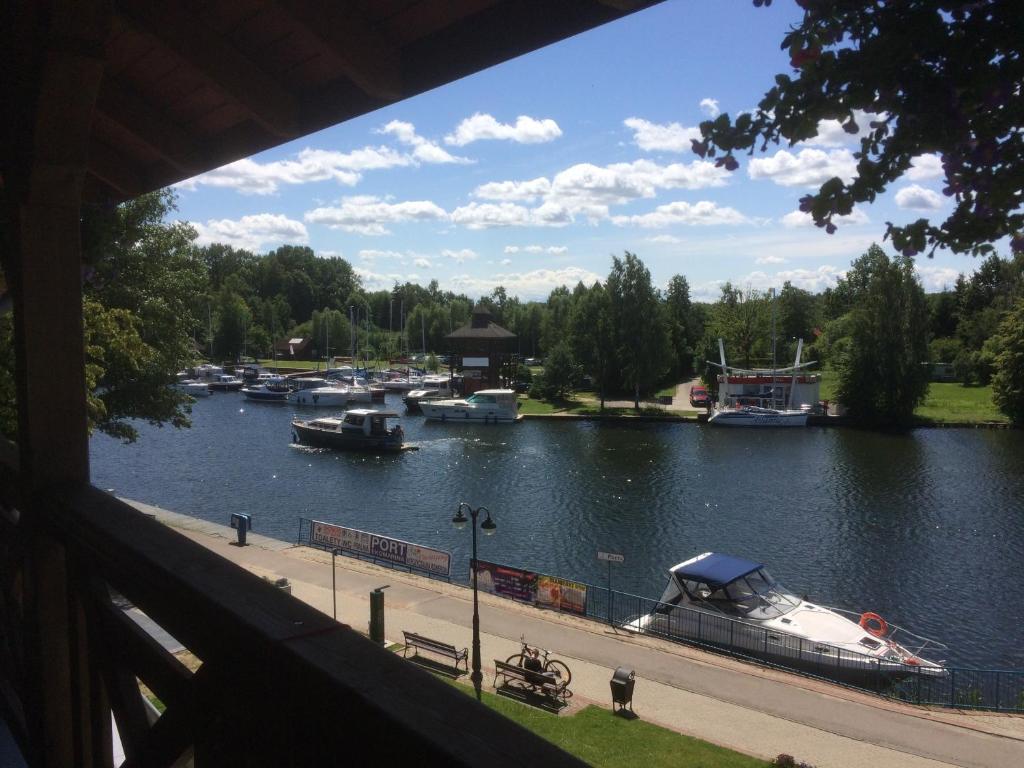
(924, 528)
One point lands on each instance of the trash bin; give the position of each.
(622, 689)
(241, 523)
(377, 614)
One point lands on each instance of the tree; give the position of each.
(911, 79)
(637, 315)
(560, 372)
(593, 337)
(1008, 381)
(684, 325)
(882, 344)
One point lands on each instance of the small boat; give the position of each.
(734, 604)
(273, 389)
(321, 397)
(485, 405)
(433, 388)
(194, 388)
(225, 382)
(756, 416)
(360, 429)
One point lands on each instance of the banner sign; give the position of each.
(611, 557)
(381, 547)
(530, 587)
(562, 595)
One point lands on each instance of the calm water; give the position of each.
(926, 529)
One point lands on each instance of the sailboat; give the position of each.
(760, 400)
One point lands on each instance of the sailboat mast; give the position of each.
(771, 293)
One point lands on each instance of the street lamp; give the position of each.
(488, 526)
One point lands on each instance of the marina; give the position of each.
(865, 521)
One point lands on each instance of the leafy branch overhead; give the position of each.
(910, 78)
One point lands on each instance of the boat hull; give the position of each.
(730, 418)
(345, 441)
(265, 395)
(465, 414)
(317, 399)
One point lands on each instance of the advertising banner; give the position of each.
(562, 595)
(381, 547)
(507, 582)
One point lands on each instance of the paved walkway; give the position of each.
(757, 711)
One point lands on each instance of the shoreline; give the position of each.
(812, 421)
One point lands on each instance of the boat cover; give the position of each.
(716, 570)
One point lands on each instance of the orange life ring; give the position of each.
(874, 624)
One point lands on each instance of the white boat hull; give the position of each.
(320, 397)
(728, 417)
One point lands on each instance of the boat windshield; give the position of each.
(481, 399)
(754, 596)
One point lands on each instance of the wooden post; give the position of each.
(53, 67)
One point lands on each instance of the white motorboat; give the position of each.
(433, 388)
(756, 416)
(321, 397)
(225, 382)
(272, 389)
(486, 405)
(194, 388)
(734, 604)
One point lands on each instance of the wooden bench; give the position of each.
(419, 642)
(547, 684)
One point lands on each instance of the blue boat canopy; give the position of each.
(716, 570)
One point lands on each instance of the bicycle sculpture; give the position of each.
(535, 660)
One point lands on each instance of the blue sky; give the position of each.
(532, 174)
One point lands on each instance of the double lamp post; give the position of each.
(488, 526)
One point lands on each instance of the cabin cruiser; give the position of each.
(433, 388)
(272, 389)
(225, 382)
(323, 397)
(735, 604)
(485, 405)
(738, 415)
(194, 388)
(358, 429)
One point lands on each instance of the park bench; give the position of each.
(547, 684)
(419, 642)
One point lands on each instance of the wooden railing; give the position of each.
(280, 683)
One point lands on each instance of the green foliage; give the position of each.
(1008, 381)
(593, 337)
(560, 373)
(882, 342)
(944, 350)
(920, 78)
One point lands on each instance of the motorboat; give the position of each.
(734, 604)
(757, 416)
(433, 388)
(225, 382)
(273, 389)
(486, 405)
(360, 429)
(194, 388)
(321, 397)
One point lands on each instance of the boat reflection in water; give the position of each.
(735, 604)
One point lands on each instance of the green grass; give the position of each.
(951, 402)
(603, 739)
(669, 391)
(584, 405)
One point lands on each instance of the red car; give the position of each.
(699, 397)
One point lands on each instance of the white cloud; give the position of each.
(796, 219)
(935, 278)
(376, 281)
(671, 239)
(809, 167)
(505, 262)
(520, 191)
(532, 285)
(656, 137)
(832, 134)
(925, 167)
(370, 256)
(917, 198)
(814, 280)
(703, 213)
(422, 262)
(424, 150)
(252, 232)
(709, 107)
(489, 216)
(369, 215)
(552, 249)
(460, 256)
(527, 130)
(770, 260)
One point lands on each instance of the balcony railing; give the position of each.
(280, 683)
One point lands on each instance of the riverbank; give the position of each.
(756, 711)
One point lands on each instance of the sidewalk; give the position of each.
(757, 711)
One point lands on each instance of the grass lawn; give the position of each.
(600, 738)
(584, 404)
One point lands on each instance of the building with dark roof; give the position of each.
(483, 349)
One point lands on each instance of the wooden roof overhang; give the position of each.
(190, 85)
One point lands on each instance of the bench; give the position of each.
(546, 683)
(419, 642)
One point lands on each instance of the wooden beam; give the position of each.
(150, 125)
(369, 59)
(113, 168)
(217, 59)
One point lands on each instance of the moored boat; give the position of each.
(225, 382)
(756, 416)
(486, 405)
(194, 388)
(271, 390)
(735, 604)
(359, 429)
(321, 397)
(433, 388)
